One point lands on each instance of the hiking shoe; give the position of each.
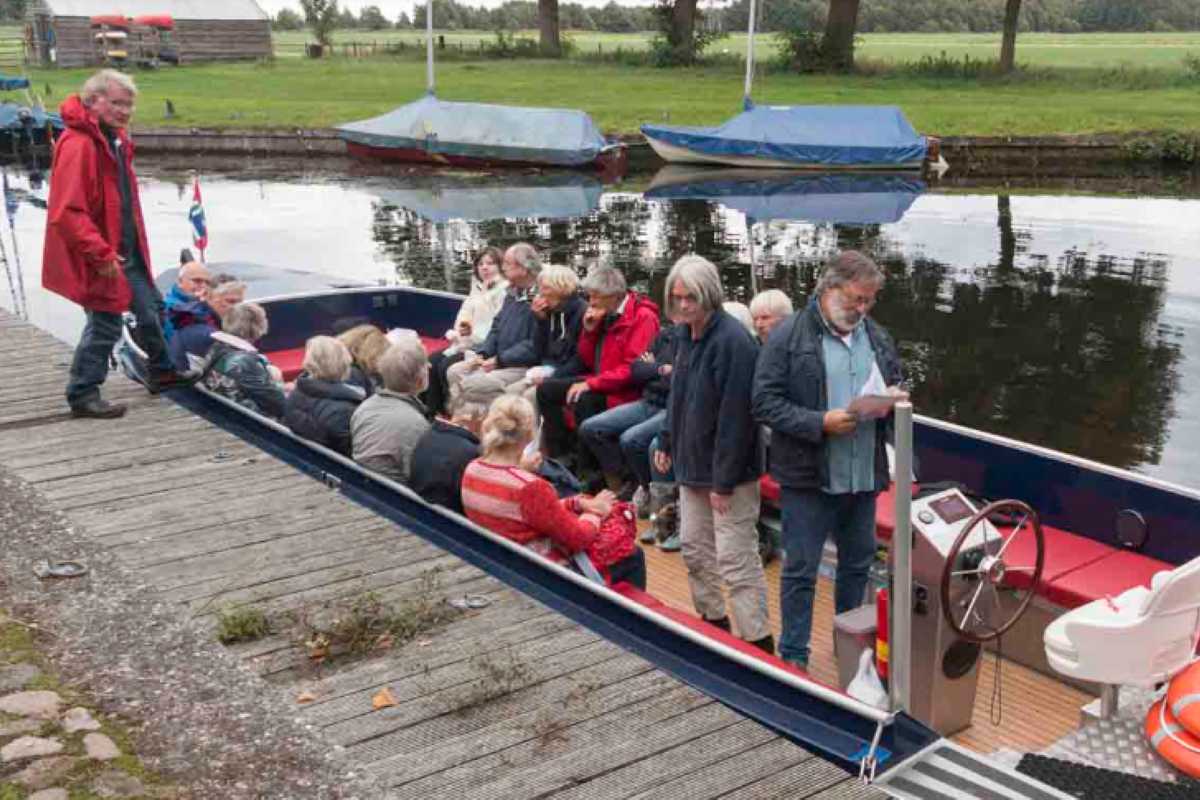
(670, 544)
(97, 408)
(648, 535)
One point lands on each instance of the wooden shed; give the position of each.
(60, 32)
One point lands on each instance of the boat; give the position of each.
(27, 125)
(481, 135)
(798, 136)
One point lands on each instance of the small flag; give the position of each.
(196, 215)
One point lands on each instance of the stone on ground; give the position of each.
(114, 783)
(99, 747)
(17, 676)
(43, 705)
(29, 747)
(79, 719)
(45, 772)
(49, 794)
(17, 727)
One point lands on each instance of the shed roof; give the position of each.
(179, 9)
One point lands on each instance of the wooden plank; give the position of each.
(763, 755)
(813, 778)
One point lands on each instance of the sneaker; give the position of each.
(671, 545)
(98, 409)
(648, 535)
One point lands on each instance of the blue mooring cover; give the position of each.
(556, 136)
(14, 117)
(836, 136)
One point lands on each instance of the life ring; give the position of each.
(1168, 738)
(1183, 698)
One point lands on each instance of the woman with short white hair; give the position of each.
(321, 404)
(768, 309)
(385, 429)
(237, 370)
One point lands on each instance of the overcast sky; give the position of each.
(392, 8)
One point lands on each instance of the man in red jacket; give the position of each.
(96, 253)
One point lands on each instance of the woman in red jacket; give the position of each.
(504, 497)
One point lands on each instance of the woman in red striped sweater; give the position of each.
(502, 496)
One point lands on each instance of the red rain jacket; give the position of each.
(83, 225)
(622, 344)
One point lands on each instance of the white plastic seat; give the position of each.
(1140, 638)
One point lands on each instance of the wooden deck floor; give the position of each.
(577, 718)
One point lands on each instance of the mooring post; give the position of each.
(900, 605)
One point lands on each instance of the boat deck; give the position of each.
(509, 701)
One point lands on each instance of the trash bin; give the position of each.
(853, 632)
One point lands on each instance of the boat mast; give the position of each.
(749, 58)
(429, 46)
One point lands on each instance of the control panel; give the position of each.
(940, 518)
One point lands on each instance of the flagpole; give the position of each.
(429, 46)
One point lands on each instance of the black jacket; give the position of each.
(656, 388)
(557, 338)
(240, 373)
(510, 339)
(790, 398)
(710, 433)
(438, 463)
(321, 411)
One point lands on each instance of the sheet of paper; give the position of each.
(872, 406)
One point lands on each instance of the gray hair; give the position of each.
(527, 256)
(849, 266)
(404, 366)
(773, 302)
(101, 82)
(741, 313)
(509, 423)
(700, 277)
(560, 279)
(605, 281)
(246, 321)
(226, 284)
(326, 359)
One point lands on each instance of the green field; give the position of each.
(1083, 87)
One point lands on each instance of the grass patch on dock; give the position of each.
(1113, 96)
(496, 675)
(242, 624)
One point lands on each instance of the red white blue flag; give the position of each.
(196, 215)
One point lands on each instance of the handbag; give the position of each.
(616, 539)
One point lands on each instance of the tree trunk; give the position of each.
(1008, 43)
(838, 44)
(551, 45)
(683, 26)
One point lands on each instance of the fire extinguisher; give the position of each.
(881, 634)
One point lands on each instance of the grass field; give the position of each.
(1097, 91)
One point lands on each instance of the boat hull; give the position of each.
(676, 154)
(609, 159)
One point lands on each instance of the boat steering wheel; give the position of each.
(973, 615)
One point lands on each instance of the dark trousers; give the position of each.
(438, 391)
(552, 400)
(102, 331)
(631, 569)
(620, 438)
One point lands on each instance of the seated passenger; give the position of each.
(768, 309)
(508, 351)
(184, 304)
(196, 339)
(618, 327)
(366, 344)
(472, 324)
(443, 453)
(237, 370)
(501, 495)
(385, 429)
(321, 404)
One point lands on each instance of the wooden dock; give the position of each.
(574, 715)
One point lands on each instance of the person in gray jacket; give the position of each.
(385, 429)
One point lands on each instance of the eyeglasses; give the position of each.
(855, 300)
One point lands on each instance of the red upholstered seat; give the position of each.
(1107, 577)
(1065, 552)
(290, 362)
(885, 505)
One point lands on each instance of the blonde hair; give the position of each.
(508, 424)
(739, 312)
(366, 344)
(326, 359)
(560, 279)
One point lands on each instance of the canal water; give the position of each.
(1065, 320)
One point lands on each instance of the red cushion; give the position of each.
(1065, 552)
(1108, 577)
(885, 505)
(291, 362)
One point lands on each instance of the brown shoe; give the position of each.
(97, 408)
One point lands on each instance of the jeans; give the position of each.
(551, 401)
(102, 331)
(621, 436)
(809, 517)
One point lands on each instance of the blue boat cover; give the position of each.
(556, 136)
(519, 197)
(842, 136)
(840, 198)
(11, 84)
(13, 117)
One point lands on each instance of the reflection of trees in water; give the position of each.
(1063, 350)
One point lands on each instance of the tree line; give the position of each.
(874, 16)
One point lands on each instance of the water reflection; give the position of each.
(1071, 322)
